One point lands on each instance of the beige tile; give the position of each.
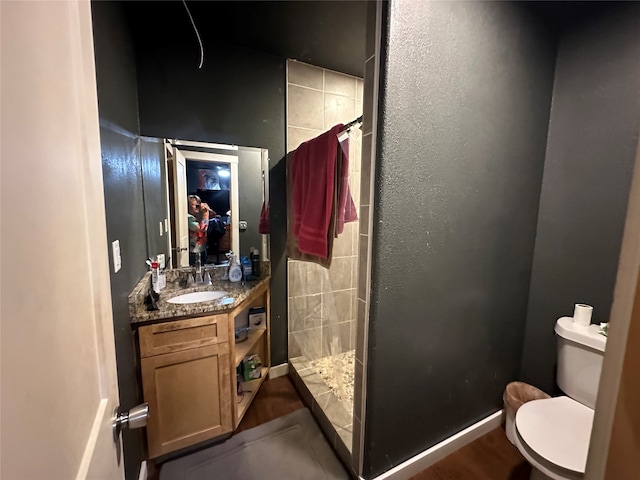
(294, 348)
(355, 152)
(338, 109)
(363, 266)
(304, 278)
(340, 84)
(314, 383)
(354, 188)
(336, 412)
(300, 364)
(342, 245)
(306, 108)
(324, 423)
(340, 273)
(358, 399)
(360, 333)
(295, 136)
(356, 454)
(356, 238)
(368, 99)
(355, 266)
(359, 90)
(307, 343)
(345, 436)
(337, 306)
(304, 75)
(336, 338)
(364, 221)
(305, 312)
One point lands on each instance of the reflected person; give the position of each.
(198, 220)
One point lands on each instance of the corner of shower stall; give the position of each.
(323, 303)
(322, 349)
(322, 328)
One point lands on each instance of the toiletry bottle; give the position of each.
(235, 270)
(245, 262)
(255, 262)
(155, 266)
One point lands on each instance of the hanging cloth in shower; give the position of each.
(346, 207)
(318, 197)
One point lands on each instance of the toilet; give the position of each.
(553, 434)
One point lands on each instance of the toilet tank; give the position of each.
(580, 355)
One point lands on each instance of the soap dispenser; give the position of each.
(235, 270)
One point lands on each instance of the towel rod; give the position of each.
(352, 123)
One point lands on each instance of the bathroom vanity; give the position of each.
(189, 360)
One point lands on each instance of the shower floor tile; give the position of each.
(333, 396)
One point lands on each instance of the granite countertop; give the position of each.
(176, 279)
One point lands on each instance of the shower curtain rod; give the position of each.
(351, 124)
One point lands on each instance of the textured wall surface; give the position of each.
(123, 192)
(465, 108)
(593, 135)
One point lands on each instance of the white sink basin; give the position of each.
(196, 297)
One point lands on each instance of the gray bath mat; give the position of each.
(287, 448)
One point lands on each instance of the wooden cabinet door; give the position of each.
(189, 396)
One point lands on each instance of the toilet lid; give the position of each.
(557, 429)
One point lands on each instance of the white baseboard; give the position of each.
(279, 370)
(143, 471)
(436, 453)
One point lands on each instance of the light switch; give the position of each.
(117, 260)
(166, 225)
(161, 229)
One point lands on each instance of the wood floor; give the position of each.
(491, 457)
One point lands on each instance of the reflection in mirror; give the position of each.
(233, 182)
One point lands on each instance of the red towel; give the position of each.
(313, 175)
(263, 224)
(346, 208)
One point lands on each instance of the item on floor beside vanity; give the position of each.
(553, 434)
(250, 367)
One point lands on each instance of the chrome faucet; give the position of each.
(199, 276)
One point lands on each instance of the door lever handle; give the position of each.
(134, 418)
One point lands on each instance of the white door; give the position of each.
(180, 207)
(59, 384)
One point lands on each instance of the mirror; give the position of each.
(233, 181)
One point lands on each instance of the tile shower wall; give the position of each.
(318, 99)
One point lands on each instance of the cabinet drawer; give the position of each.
(185, 334)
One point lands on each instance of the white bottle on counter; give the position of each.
(235, 270)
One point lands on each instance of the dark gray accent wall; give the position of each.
(124, 198)
(462, 129)
(250, 199)
(593, 134)
(154, 178)
(236, 98)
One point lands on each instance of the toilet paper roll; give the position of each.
(582, 314)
